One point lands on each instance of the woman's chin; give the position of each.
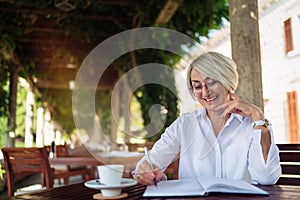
(210, 106)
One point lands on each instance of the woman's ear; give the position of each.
(230, 93)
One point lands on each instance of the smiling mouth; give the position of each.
(210, 99)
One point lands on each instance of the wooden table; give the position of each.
(128, 162)
(80, 192)
(75, 161)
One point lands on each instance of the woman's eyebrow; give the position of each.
(195, 81)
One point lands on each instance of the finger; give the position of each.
(221, 107)
(224, 106)
(143, 179)
(227, 108)
(146, 178)
(145, 166)
(136, 176)
(158, 174)
(139, 175)
(233, 96)
(226, 112)
(234, 108)
(147, 175)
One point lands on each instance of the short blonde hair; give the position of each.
(217, 67)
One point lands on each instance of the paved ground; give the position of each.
(32, 183)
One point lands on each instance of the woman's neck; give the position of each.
(217, 121)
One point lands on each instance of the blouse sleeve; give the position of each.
(166, 148)
(262, 172)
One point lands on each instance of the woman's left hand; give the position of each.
(242, 107)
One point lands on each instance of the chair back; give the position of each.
(62, 150)
(290, 164)
(25, 161)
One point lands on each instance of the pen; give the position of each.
(150, 163)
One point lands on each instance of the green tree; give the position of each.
(21, 111)
(89, 24)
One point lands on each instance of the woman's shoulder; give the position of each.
(186, 120)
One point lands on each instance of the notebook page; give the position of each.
(182, 187)
(215, 184)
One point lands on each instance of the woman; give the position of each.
(228, 137)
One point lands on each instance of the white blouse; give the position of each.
(236, 153)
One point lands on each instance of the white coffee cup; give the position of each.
(111, 175)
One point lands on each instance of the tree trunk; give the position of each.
(246, 49)
(11, 123)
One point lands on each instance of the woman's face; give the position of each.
(210, 93)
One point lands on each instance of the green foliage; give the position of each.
(3, 113)
(62, 101)
(103, 110)
(194, 18)
(20, 117)
(5, 47)
(3, 95)
(3, 130)
(197, 19)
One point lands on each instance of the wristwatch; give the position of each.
(262, 122)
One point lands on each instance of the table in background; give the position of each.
(128, 162)
(80, 192)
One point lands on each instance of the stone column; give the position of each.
(126, 113)
(47, 129)
(115, 116)
(29, 118)
(40, 127)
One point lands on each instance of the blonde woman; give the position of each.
(227, 137)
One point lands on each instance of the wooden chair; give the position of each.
(26, 161)
(290, 164)
(83, 170)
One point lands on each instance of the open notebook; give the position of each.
(201, 186)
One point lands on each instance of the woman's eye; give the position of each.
(197, 87)
(211, 83)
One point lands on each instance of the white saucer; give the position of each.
(95, 184)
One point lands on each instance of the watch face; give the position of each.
(263, 122)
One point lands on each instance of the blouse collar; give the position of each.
(201, 113)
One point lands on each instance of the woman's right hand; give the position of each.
(145, 176)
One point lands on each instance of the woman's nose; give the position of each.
(205, 91)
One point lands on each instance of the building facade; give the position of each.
(279, 26)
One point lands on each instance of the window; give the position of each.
(293, 121)
(288, 33)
